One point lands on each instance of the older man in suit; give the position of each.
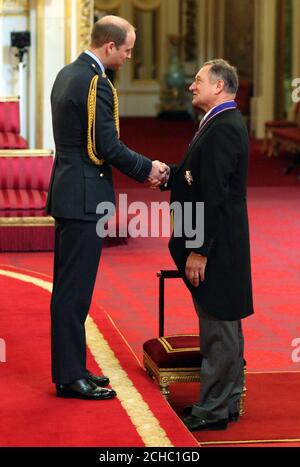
(218, 275)
(86, 132)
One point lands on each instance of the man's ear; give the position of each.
(219, 86)
(110, 47)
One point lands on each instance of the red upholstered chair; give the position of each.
(269, 146)
(287, 139)
(10, 124)
(177, 358)
(24, 181)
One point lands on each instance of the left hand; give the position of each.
(195, 268)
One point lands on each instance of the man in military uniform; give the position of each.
(86, 133)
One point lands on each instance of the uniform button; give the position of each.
(101, 174)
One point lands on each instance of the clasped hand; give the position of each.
(159, 174)
(195, 268)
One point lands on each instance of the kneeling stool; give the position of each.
(177, 358)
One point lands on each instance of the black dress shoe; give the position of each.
(187, 410)
(198, 424)
(84, 389)
(233, 417)
(98, 380)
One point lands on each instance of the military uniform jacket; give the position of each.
(214, 172)
(77, 185)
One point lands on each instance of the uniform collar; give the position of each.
(97, 60)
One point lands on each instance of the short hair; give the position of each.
(221, 69)
(110, 31)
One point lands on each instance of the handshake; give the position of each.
(159, 174)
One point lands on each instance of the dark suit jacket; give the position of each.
(217, 160)
(77, 185)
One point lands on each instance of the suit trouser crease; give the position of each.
(222, 367)
(76, 258)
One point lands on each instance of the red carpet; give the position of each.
(35, 417)
(31, 415)
(272, 411)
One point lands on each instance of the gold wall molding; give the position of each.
(85, 15)
(107, 5)
(26, 221)
(9, 99)
(68, 13)
(26, 152)
(146, 5)
(16, 7)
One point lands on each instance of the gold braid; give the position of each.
(116, 107)
(91, 109)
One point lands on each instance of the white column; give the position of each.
(73, 29)
(32, 95)
(262, 105)
(54, 59)
(50, 59)
(1, 57)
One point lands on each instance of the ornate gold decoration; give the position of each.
(91, 132)
(116, 107)
(91, 109)
(169, 349)
(9, 99)
(14, 7)
(84, 24)
(107, 5)
(166, 376)
(146, 5)
(68, 13)
(41, 221)
(26, 152)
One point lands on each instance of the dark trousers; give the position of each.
(76, 258)
(222, 368)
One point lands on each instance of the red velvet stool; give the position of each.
(173, 359)
(177, 358)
